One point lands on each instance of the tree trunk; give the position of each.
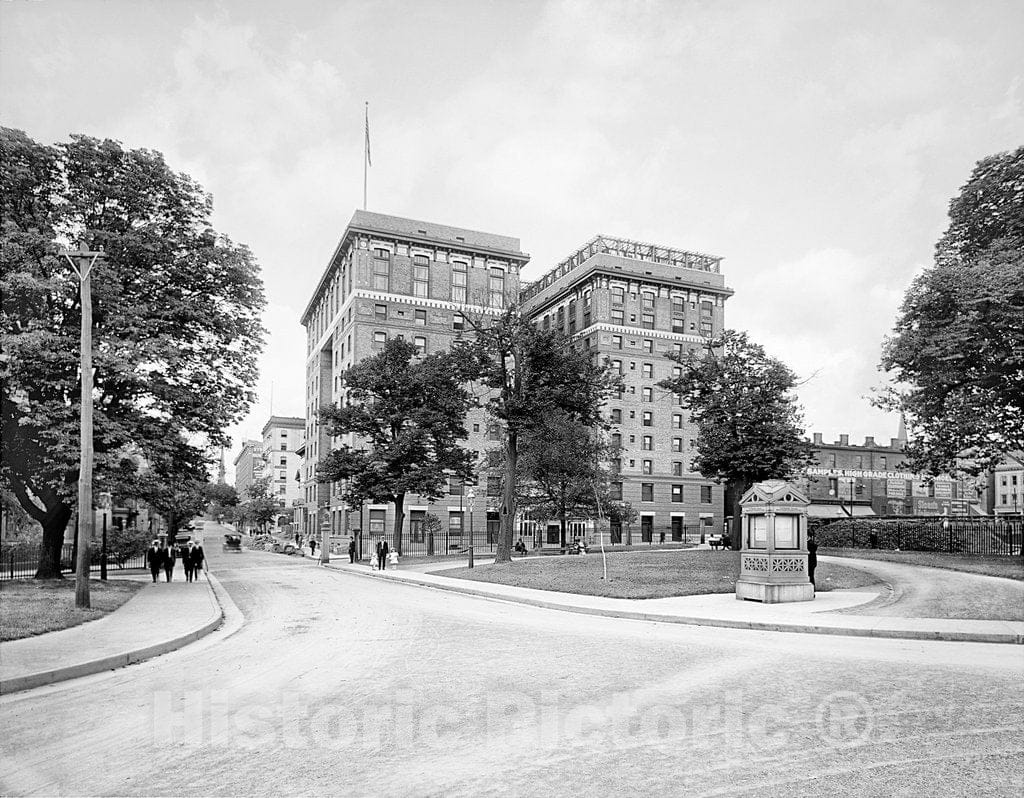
(508, 500)
(399, 521)
(54, 526)
(561, 528)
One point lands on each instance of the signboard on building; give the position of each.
(858, 473)
(896, 488)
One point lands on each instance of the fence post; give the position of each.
(12, 564)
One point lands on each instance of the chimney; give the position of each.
(817, 439)
(869, 440)
(844, 440)
(895, 443)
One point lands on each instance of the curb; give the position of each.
(760, 626)
(115, 661)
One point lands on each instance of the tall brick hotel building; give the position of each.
(629, 302)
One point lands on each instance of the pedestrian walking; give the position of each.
(198, 557)
(186, 561)
(155, 559)
(382, 553)
(312, 547)
(812, 557)
(170, 558)
(352, 550)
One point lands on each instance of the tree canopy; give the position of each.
(408, 415)
(749, 427)
(176, 319)
(957, 350)
(564, 471)
(532, 375)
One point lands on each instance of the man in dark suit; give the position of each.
(170, 557)
(155, 559)
(382, 553)
(196, 556)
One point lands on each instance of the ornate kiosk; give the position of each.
(773, 561)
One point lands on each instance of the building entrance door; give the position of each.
(553, 534)
(677, 528)
(646, 528)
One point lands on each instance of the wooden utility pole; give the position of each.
(82, 261)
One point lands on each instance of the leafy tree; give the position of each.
(564, 471)
(126, 542)
(176, 319)
(409, 412)
(532, 374)
(221, 494)
(749, 427)
(957, 351)
(262, 507)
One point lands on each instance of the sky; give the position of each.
(813, 145)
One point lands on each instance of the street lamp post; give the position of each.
(82, 261)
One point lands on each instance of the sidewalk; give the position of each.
(161, 617)
(821, 616)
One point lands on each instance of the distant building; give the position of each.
(871, 479)
(395, 277)
(248, 468)
(1006, 486)
(282, 442)
(633, 303)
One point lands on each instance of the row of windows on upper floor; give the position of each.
(567, 317)
(676, 492)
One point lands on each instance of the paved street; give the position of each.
(341, 684)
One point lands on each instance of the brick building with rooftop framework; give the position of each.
(390, 276)
(633, 303)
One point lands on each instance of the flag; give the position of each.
(368, 161)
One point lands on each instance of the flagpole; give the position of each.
(366, 151)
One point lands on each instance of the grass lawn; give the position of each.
(655, 574)
(1007, 567)
(30, 607)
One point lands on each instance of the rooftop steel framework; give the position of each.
(625, 248)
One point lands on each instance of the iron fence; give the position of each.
(20, 562)
(983, 536)
(447, 543)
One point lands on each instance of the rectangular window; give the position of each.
(677, 444)
(420, 342)
(616, 416)
(381, 270)
(496, 287)
(677, 420)
(647, 395)
(648, 418)
(380, 337)
(648, 345)
(455, 524)
(617, 439)
(647, 443)
(420, 275)
(705, 494)
(455, 486)
(617, 317)
(677, 493)
(677, 469)
(615, 491)
(617, 341)
(458, 322)
(380, 312)
(647, 321)
(421, 318)
(646, 491)
(648, 370)
(493, 486)
(459, 281)
(377, 521)
(647, 466)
